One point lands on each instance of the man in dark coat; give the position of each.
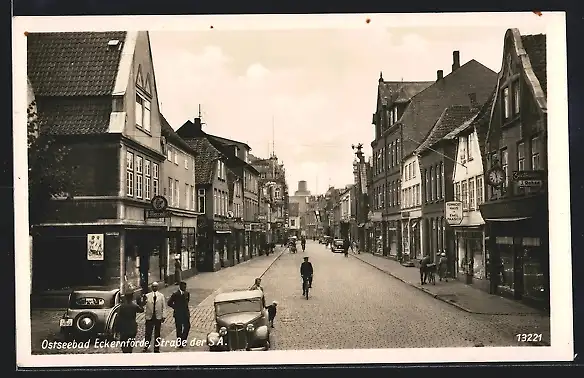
(179, 301)
(424, 269)
(126, 325)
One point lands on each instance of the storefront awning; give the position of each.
(507, 219)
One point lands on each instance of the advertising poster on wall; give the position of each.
(95, 247)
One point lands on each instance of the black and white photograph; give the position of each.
(303, 189)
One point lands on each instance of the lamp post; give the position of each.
(359, 198)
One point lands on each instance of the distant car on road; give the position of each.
(337, 245)
(91, 313)
(241, 322)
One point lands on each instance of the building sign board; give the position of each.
(453, 211)
(529, 179)
(156, 213)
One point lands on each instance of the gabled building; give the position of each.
(437, 157)
(178, 183)
(393, 97)
(96, 93)
(515, 159)
(214, 243)
(469, 193)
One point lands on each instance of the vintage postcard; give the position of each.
(304, 189)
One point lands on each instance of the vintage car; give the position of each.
(241, 322)
(91, 313)
(337, 245)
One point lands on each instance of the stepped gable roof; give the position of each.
(450, 118)
(73, 63)
(173, 137)
(206, 156)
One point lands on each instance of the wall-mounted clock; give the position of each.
(496, 176)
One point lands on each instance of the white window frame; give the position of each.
(506, 98)
(155, 179)
(186, 161)
(535, 153)
(177, 192)
(521, 156)
(187, 196)
(171, 190)
(147, 180)
(215, 202)
(176, 153)
(139, 176)
(472, 194)
(193, 198)
(202, 201)
(129, 174)
(505, 164)
(480, 189)
(143, 112)
(169, 154)
(469, 146)
(516, 97)
(464, 194)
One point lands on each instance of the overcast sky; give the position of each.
(318, 87)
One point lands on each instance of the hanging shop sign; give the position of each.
(158, 208)
(453, 211)
(529, 179)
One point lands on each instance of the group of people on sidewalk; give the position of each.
(428, 269)
(153, 305)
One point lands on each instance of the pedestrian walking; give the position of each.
(443, 267)
(179, 302)
(177, 270)
(346, 245)
(424, 269)
(126, 326)
(272, 313)
(257, 285)
(154, 303)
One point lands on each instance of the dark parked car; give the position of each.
(241, 322)
(91, 313)
(337, 245)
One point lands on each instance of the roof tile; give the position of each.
(75, 115)
(73, 64)
(451, 118)
(204, 161)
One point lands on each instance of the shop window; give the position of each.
(132, 269)
(154, 271)
(534, 277)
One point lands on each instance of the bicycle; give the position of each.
(305, 285)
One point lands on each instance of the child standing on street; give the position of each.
(272, 313)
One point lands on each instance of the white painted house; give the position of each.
(469, 188)
(411, 208)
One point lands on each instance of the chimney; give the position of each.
(198, 124)
(439, 75)
(455, 60)
(473, 100)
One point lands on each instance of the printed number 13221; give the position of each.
(529, 337)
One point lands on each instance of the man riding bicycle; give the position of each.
(306, 272)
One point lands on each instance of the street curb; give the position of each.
(273, 262)
(436, 296)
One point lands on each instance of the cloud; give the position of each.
(257, 71)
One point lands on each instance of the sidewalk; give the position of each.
(203, 288)
(453, 292)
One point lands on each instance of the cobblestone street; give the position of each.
(353, 304)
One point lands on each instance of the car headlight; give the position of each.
(223, 331)
(250, 327)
